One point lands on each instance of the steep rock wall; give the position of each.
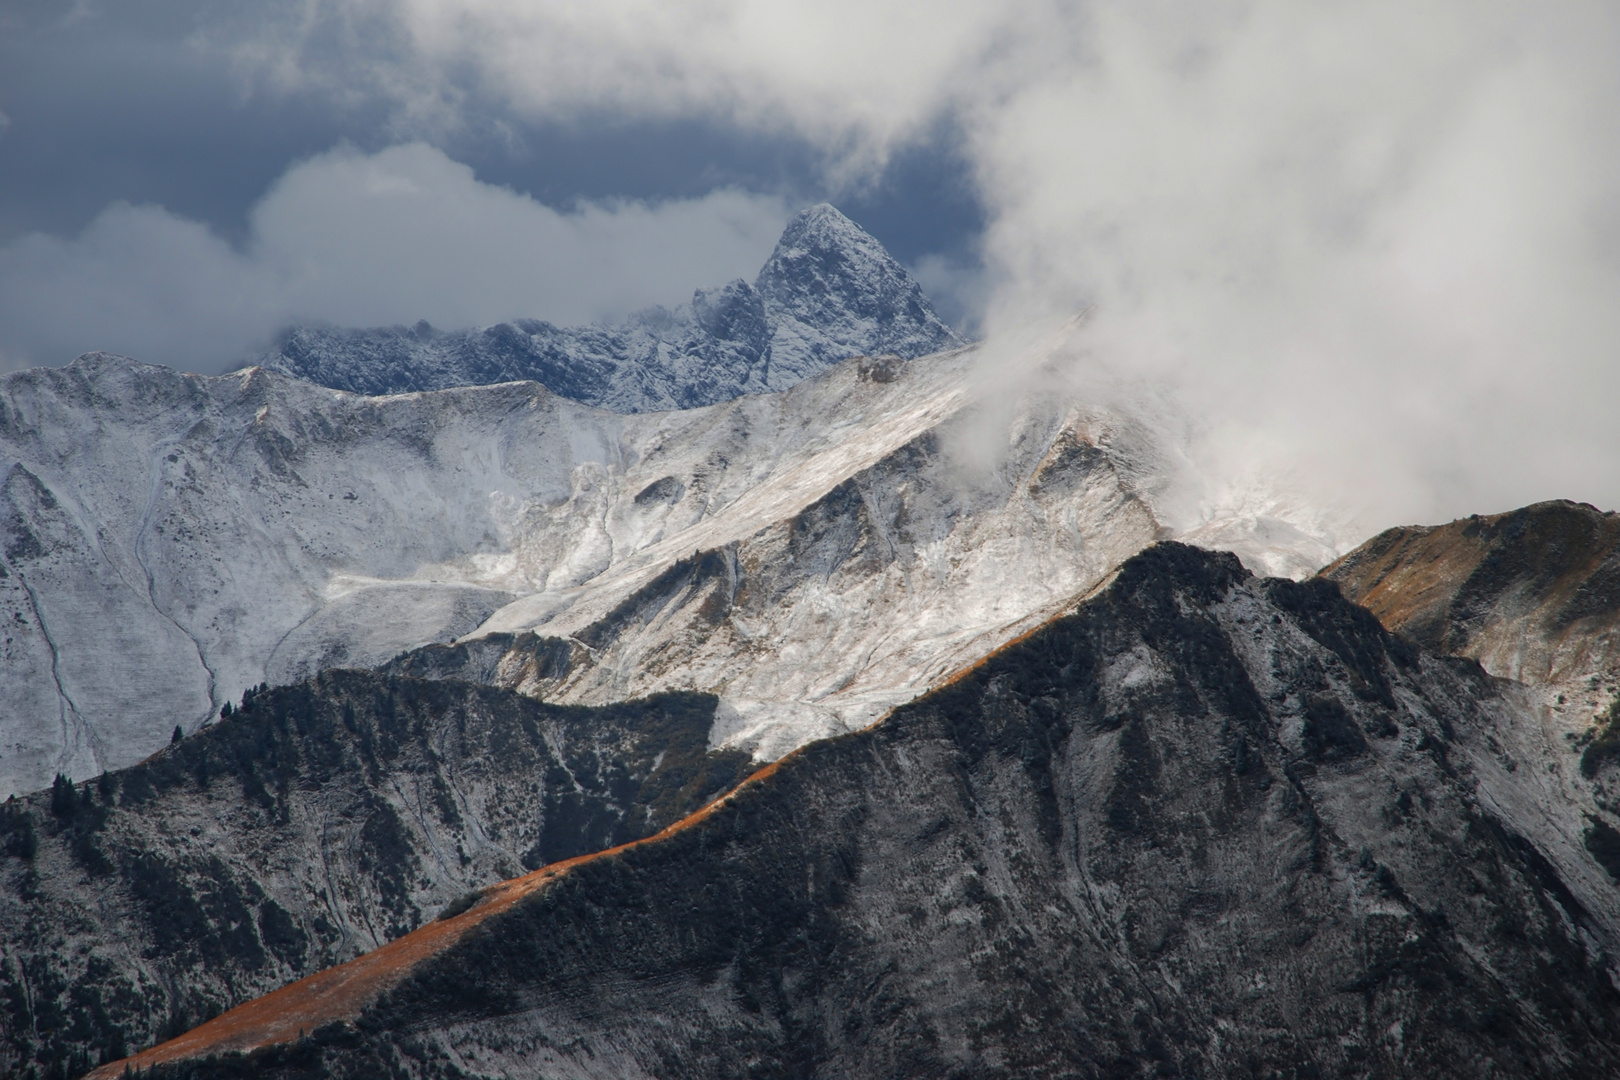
(828, 292)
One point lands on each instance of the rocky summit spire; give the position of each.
(833, 291)
(829, 292)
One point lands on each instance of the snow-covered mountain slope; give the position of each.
(170, 540)
(828, 292)
(166, 536)
(1206, 825)
(813, 616)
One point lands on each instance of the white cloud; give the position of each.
(363, 240)
(1373, 244)
(1364, 243)
(137, 280)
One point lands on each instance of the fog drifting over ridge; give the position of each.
(1369, 252)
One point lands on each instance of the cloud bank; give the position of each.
(1368, 252)
(363, 240)
(1371, 248)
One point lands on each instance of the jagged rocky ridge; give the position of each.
(909, 569)
(828, 292)
(168, 540)
(318, 822)
(1206, 825)
(1533, 595)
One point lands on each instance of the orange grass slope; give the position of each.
(1496, 586)
(342, 993)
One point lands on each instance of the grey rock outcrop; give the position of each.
(828, 292)
(1207, 825)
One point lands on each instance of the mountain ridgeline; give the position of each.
(1207, 825)
(1533, 594)
(538, 791)
(192, 536)
(828, 292)
(317, 822)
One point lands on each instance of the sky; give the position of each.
(180, 180)
(1368, 252)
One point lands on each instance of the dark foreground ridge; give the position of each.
(1206, 826)
(318, 822)
(829, 292)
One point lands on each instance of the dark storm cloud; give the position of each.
(115, 105)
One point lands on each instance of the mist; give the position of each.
(1368, 250)
(1357, 263)
(1361, 257)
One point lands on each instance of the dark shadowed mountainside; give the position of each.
(1208, 825)
(319, 821)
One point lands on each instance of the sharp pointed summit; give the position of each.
(828, 292)
(832, 291)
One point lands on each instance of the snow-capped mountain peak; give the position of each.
(829, 292)
(832, 291)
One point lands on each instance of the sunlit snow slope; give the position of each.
(813, 556)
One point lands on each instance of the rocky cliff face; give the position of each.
(320, 821)
(818, 623)
(168, 540)
(1533, 595)
(828, 292)
(1206, 825)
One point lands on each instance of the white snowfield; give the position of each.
(170, 540)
